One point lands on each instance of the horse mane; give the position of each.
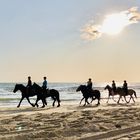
(36, 85)
(83, 85)
(109, 86)
(20, 85)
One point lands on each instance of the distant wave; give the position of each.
(67, 92)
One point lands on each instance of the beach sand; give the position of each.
(71, 122)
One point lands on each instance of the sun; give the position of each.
(114, 23)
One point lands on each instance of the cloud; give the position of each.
(112, 24)
(134, 14)
(91, 31)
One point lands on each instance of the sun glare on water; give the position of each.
(114, 23)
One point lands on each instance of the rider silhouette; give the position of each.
(89, 85)
(113, 86)
(29, 85)
(44, 85)
(125, 88)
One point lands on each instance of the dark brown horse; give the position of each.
(54, 94)
(110, 93)
(119, 91)
(26, 95)
(94, 94)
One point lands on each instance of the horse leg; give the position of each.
(119, 99)
(81, 100)
(20, 101)
(30, 102)
(58, 99)
(108, 99)
(125, 99)
(36, 103)
(113, 98)
(91, 100)
(132, 98)
(98, 102)
(53, 102)
(85, 101)
(58, 102)
(43, 102)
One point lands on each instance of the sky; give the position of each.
(50, 38)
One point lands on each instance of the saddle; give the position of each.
(47, 91)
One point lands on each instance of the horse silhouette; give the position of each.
(120, 91)
(54, 94)
(94, 94)
(25, 94)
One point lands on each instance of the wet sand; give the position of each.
(71, 122)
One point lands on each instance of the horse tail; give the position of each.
(58, 97)
(135, 94)
(99, 95)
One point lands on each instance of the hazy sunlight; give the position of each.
(114, 23)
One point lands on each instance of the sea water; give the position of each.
(68, 94)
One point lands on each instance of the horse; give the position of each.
(121, 92)
(26, 95)
(111, 93)
(94, 94)
(54, 94)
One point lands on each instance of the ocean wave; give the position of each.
(67, 92)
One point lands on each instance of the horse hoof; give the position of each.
(58, 106)
(42, 106)
(17, 106)
(37, 105)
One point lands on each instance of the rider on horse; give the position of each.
(125, 88)
(89, 85)
(29, 85)
(44, 85)
(113, 86)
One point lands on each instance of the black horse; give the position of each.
(54, 94)
(26, 95)
(94, 94)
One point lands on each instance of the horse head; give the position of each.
(78, 88)
(108, 87)
(18, 87)
(81, 88)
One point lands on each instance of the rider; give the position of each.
(89, 84)
(125, 88)
(44, 85)
(29, 85)
(113, 86)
